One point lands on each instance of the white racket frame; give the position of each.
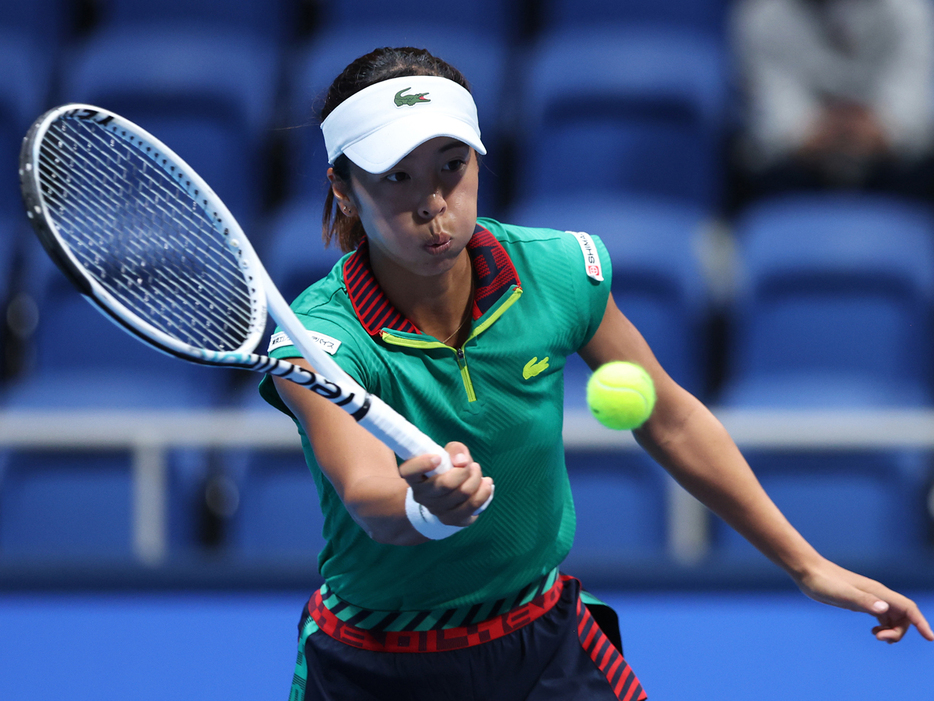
(328, 380)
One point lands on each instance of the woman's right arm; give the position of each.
(368, 480)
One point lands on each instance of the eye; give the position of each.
(397, 177)
(455, 164)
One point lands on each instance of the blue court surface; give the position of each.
(730, 646)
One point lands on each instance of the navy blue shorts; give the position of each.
(550, 648)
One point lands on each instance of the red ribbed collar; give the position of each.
(492, 266)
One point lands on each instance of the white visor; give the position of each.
(380, 125)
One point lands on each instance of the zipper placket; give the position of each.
(459, 353)
(465, 374)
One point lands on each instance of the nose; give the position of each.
(433, 205)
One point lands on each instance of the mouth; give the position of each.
(440, 243)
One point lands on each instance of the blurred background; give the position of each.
(761, 172)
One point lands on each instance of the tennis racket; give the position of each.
(147, 241)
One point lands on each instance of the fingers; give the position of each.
(414, 470)
(873, 604)
(891, 631)
(456, 495)
(453, 496)
(459, 487)
(921, 623)
(898, 618)
(896, 613)
(889, 634)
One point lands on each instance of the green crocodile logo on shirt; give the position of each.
(410, 100)
(534, 367)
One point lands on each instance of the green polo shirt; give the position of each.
(540, 296)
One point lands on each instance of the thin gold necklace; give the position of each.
(467, 312)
(459, 326)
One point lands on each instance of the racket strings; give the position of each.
(173, 281)
(143, 237)
(156, 206)
(159, 293)
(117, 181)
(133, 254)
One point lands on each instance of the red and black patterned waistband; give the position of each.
(437, 638)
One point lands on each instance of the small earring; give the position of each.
(348, 211)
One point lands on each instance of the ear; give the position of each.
(341, 190)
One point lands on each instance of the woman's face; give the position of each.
(420, 214)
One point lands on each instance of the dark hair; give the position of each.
(375, 67)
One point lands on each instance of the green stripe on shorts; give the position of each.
(300, 678)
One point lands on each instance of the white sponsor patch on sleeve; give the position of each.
(592, 263)
(281, 339)
(278, 340)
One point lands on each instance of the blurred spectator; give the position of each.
(837, 93)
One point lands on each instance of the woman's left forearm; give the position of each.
(688, 440)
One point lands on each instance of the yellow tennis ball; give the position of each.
(621, 395)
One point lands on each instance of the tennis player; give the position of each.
(463, 325)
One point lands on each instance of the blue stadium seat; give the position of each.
(270, 19)
(24, 89)
(43, 23)
(65, 504)
(658, 281)
(836, 291)
(479, 56)
(79, 505)
(9, 240)
(705, 15)
(81, 359)
(294, 252)
(209, 96)
(279, 514)
(833, 311)
(853, 506)
(58, 509)
(9, 236)
(620, 502)
(503, 20)
(623, 110)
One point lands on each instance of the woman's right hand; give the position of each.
(453, 496)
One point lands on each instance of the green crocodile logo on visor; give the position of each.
(410, 100)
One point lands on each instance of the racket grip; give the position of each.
(396, 432)
(404, 439)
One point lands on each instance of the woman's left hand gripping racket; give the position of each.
(145, 239)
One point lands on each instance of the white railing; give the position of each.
(149, 435)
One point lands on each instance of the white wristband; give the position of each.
(425, 522)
